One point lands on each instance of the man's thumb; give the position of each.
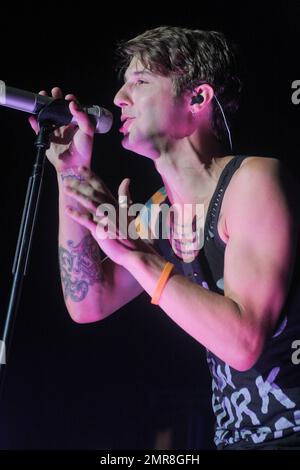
(124, 193)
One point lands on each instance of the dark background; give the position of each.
(117, 383)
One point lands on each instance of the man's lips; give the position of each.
(126, 124)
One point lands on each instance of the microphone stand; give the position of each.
(49, 119)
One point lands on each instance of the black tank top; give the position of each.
(260, 406)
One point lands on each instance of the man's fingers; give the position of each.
(124, 197)
(94, 181)
(32, 120)
(34, 124)
(82, 187)
(71, 97)
(82, 119)
(83, 219)
(85, 201)
(56, 92)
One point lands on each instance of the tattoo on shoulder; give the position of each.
(79, 267)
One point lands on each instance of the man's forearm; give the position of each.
(214, 320)
(80, 265)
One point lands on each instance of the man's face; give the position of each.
(152, 117)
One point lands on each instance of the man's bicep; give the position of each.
(259, 253)
(257, 280)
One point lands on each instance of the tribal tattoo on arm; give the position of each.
(80, 267)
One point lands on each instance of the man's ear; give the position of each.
(201, 97)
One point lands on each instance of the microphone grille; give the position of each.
(103, 118)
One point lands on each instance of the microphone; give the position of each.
(33, 103)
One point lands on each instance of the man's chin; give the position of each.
(129, 143)
(140, 148)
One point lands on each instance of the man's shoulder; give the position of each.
(259, 164)
(257, 171)
(266, 173)
(261, 184)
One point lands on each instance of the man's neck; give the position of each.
(190, 172)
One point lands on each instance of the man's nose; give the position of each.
(122, 98)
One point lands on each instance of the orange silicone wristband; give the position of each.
(162, 282)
